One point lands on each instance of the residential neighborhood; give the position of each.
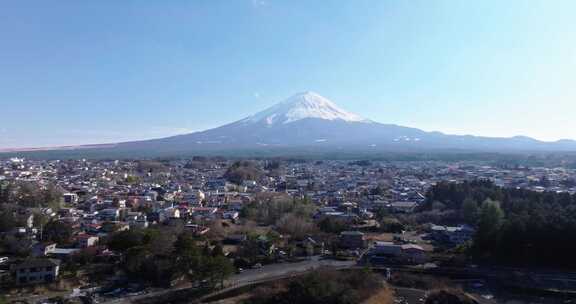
(63, 217)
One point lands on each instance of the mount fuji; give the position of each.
(302, 106)
(308, 120)
(310, 123)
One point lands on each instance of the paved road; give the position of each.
(268, 272)
(286, 269)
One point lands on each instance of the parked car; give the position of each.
(257, 266)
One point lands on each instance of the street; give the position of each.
(285, 269)
(251, 276)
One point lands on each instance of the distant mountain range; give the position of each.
(310, 122)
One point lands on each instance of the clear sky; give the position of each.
(77, 72)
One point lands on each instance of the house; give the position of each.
(184, 210)
(452, 235)
(218, 185)
(235, 204)
(204, 211)
(43, 249)
(352, 240)
(168, 213)
(86, 241)
(309, 247)
(37, 271)
(390, 253)
(48, 212)
(111, 214)
(63, 253)
(109, 227)
(70, 198)
(194, 198)
(385, 249)
(413, 254)
(137, 221)
(67, 212)
(402, 207)
(93, 228)
(230, 215)
(200, 213)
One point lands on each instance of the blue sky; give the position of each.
(76, 72)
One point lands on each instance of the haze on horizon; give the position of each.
(81, 73)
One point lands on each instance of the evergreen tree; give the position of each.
(470, 211)
(489, 224)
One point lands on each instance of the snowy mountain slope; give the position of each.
(301, 106)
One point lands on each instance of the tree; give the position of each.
(489, 224)
(268, 209)
(391, 225)
(249, 251)
(57, 232)
(332, 225)
(124, 240)
(470, 211)
(273, 236)
(85, 256)
(241, 171)
(218, 250)
(381, 213)
(161, 270)
(218, 269)
(31, 194)
(188, 257)
(7, 220)
(296, 226)
(217, 230)
(527, 228)
(136, 258)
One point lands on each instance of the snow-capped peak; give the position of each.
(301, 106)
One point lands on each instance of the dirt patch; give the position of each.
(384, 296)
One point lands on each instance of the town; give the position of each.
(104, 230)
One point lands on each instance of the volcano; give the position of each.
(308, 122)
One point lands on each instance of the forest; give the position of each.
(514, 226)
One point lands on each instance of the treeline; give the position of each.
(514, 226)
